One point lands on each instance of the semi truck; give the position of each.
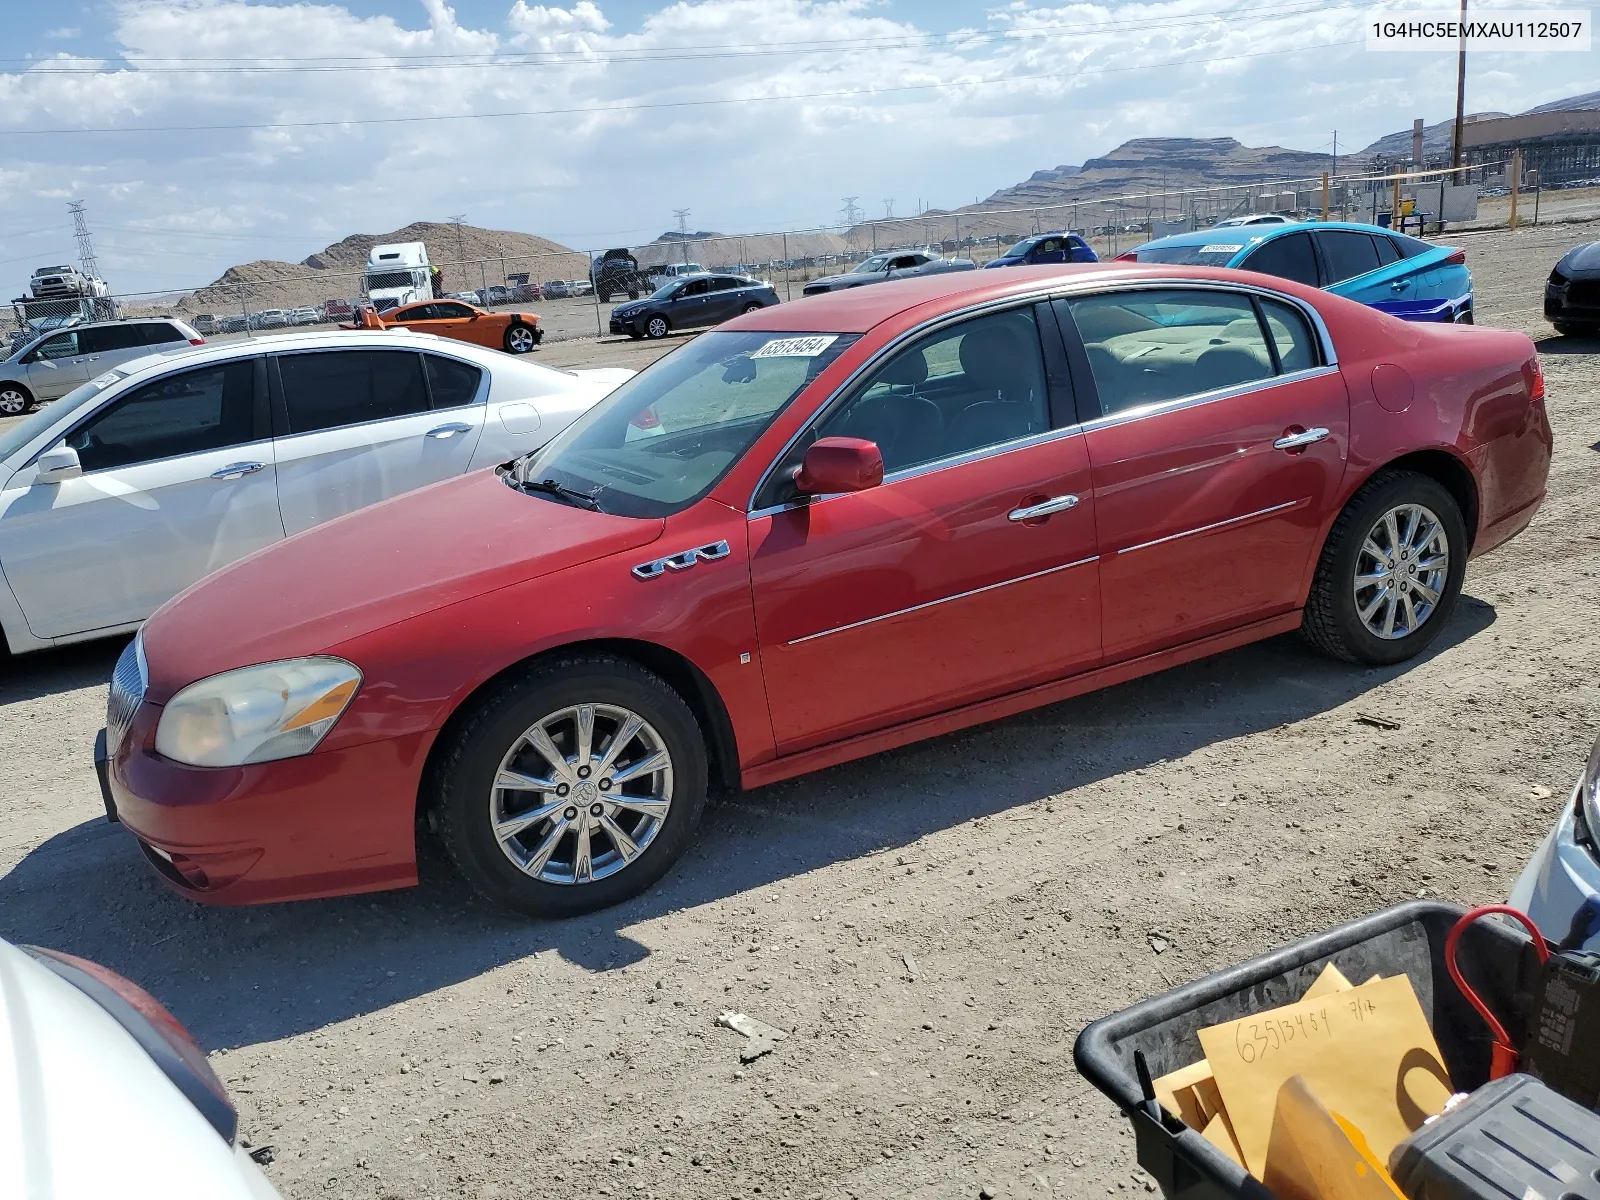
(398, 274)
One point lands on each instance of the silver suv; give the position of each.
(50, 366)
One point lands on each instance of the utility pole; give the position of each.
(461, 255)
(1461, 91)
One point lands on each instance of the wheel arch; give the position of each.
(1448, 470)
(677, 671)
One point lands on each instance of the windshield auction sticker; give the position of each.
(1504, 29)
(1221, 248)
(797, 347)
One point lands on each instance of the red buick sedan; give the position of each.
(817, 532)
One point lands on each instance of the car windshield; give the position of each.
(24, 431)
(1020, 248)
(666, 291)
(876, 263)
(665, 437)
(1211, 254)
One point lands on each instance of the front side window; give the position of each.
(416, 312)
(1348, 254)
(972, 385)
(1291, 257)
(329, 388)
(452, 311)
(186, 413)
(63, 345)
(1149, 347)
(665, 437)
(695, 287)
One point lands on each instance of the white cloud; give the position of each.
(1039, 84)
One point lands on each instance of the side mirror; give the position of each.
(839, 464)
(58, 463)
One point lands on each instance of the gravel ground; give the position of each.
(934, 925)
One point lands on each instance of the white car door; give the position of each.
(356, 426)
(177, 480)
(56, 365)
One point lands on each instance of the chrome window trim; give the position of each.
(1054, 290)
(480, 398)
(1158, 407)
(900, 612)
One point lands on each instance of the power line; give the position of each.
(610, 108)
(623, 54)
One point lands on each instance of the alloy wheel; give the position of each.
(581, 794)
(1401, 570)
(12, 402)
(519, 340)
(657, 328)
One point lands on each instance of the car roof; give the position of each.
(322, 339)
(858, 309)
(1258, 233)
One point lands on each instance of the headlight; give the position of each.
(1589, 793)
(257, 714)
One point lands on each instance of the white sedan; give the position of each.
(130, 488)
(103, 1094)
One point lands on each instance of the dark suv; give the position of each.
(614, 272)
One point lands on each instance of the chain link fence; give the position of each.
(560, 286)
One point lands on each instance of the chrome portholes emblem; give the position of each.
(683, 560)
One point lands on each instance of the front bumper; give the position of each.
(1559, 879)
(330, 823)
(1576, 302)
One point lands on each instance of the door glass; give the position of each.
(159, 333)
(723, 284)
(1290, 257)
(348, 387)
(452, 382)
(1148, 347)
(695, 287)
(1388, 252)
(63, 345)
(1297, 349)
(102, 339)
(1348, 254)
(972, 385)
(452, 312)
(185, 413)
(417, 312)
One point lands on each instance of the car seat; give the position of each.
(1003, 386)
(907, 427)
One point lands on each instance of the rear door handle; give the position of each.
(1294, 441)
(1045, 507)
(237, 470)
(450, 430)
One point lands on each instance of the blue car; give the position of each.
(1400, 275)
(1046, 248)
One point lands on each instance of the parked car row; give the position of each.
(708, 578)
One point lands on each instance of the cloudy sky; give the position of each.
(753, 114)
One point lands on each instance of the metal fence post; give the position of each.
(599, 326)
(245, 309)
(788, 271)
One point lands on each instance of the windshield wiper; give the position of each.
(572, 496)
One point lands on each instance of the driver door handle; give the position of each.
(450, 430)
(1043, 509)
(1295, 441)
(237, 470)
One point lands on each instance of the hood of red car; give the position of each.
(377, 566)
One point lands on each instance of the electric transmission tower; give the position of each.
(80, 230)
(851, 214)
(683, 220)
(888, 209)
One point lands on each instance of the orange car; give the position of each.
(515, 333)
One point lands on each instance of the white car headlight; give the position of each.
(257, 714)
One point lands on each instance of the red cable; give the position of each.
(1503, 1058)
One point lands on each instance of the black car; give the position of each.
(615, 272)
(691, 301)
(1572, 297)
(901, 264)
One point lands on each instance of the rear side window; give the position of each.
(184, 413)
(102, 339)
(1388, 252)
(452, 382)
(1288, 257)
(1149, 347)
(1348, 254)
(330, 388)
(1291, 333)
(1410, 247)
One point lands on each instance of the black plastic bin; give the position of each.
(1497, 960)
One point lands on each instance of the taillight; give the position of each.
(1533, 376)
(1126, 256)
(197, 341)
(646, 419)
(1458, 257)
(155, 1029)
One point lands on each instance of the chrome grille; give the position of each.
(128, 683)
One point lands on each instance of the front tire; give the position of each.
(15, 400)
(657, 327)
(520, 338)
(1390, 571)
(751, 307)
(571, 788)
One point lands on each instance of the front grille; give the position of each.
(1584, 293)
(128, 683)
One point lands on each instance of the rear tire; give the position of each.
(16, 400)
(491, 743)
(1345, 618)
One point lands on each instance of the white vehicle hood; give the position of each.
(86, 1114)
